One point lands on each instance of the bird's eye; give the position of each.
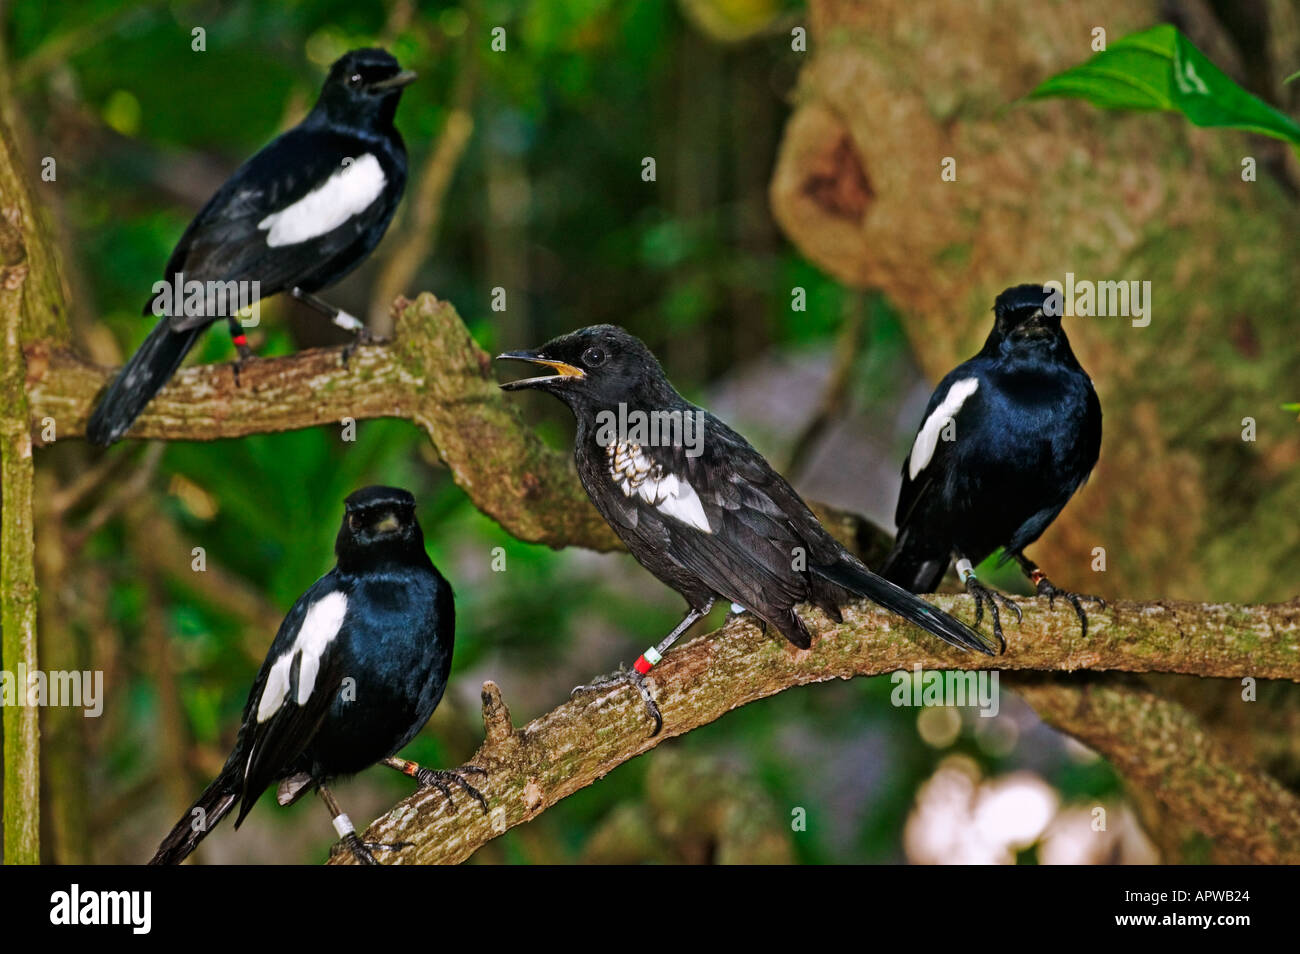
(354, 80)
(593, 357)
(353, 522)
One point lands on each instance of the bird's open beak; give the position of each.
(389, 523)
(565, 370)
(404, 78)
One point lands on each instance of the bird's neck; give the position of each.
(376, 126)
(358, 561)
(626, 412)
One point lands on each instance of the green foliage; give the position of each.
(1160, 69)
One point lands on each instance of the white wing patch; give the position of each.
(320, 625)
(348, 191)
(927, 439)
(636, 474)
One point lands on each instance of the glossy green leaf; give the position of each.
(1160, 69)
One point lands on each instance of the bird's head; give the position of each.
(364, 86)
(596, 367)
(378, 522)
(1023, 323)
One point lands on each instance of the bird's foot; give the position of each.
(992, 597)
(443, 779)
(363, 851)
(1046, 588)
(622, 677)
(246, 357)
(361, 336)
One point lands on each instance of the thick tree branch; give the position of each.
(582, 740)
(1149, 738)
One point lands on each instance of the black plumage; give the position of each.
(356, 669)
(1007, 439)
(721, 523)
(296, 217)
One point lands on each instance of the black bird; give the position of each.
(700, 508)
(355, 671)
(296, 217)
(1008, 437)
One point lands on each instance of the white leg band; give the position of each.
(343, 825)
(347, 322)
(964, 570)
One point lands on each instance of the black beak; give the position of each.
(1035, 326)
(565, 370)
(404, 78)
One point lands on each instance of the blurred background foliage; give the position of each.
(548, 202)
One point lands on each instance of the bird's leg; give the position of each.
(984, 594)
(240, 341)
(343, 825)
(361, 334)
(1045, 587)
(644, 663)
(441, 779)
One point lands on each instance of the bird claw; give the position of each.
(1046, 588)
(983, 594)
(246, 357)
(363, 851)
(619, 677)
(440, 779)
(361, 337)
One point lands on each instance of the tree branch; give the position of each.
(1160, 745)
(582, 740)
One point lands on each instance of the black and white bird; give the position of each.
(717, 523)
(296, 217)
(355, 671)
(1008, 437)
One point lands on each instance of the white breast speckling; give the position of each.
(637, 475)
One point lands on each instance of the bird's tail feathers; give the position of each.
(857, 579)
(213, 805)
(139, 380)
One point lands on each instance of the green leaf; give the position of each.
(1293, 76)
(1160, 69)
(1294, 408)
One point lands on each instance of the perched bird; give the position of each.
(355, 671)
(696, 505)
(296, 217)
(1008, 437)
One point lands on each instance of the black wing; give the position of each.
(724, 517)
(917, 489)
(271, 748)
(224, 242)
